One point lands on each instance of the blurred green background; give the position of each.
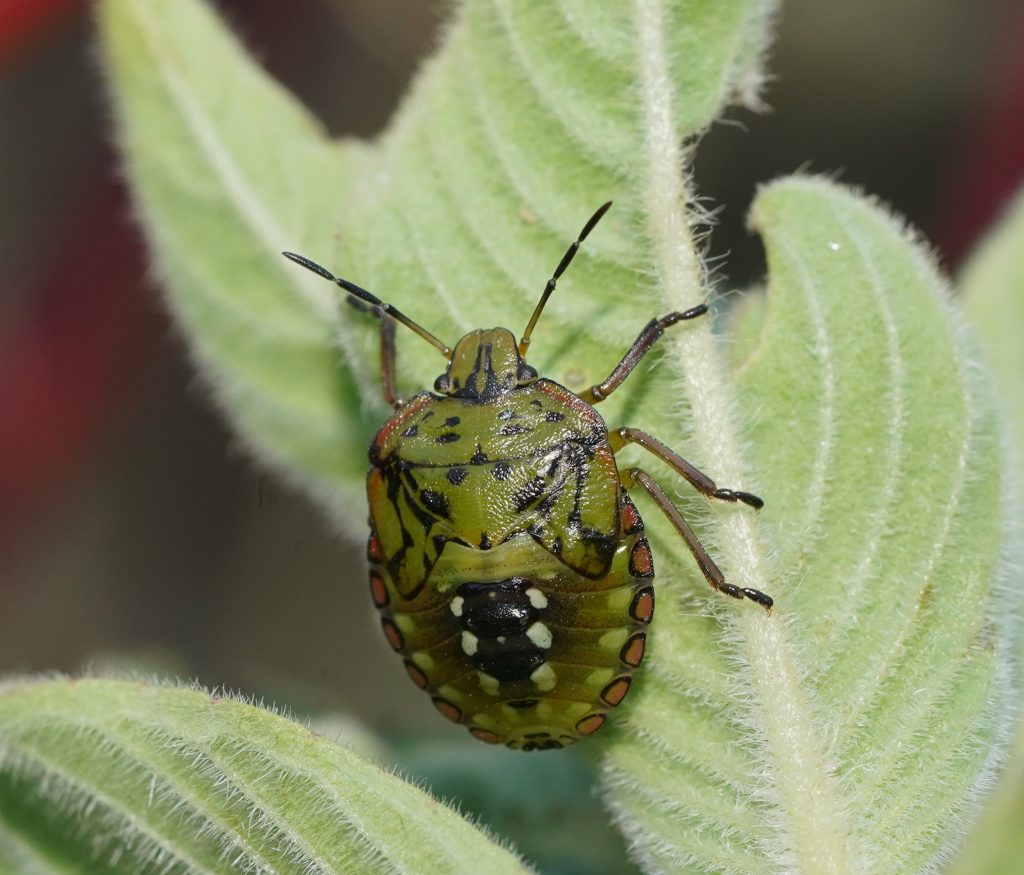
(134, 530)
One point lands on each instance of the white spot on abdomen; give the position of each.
(544, 677)
(540, 635)
(537, 598)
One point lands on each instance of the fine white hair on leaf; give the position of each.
(180, 778)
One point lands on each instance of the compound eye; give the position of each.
(442, 383)
(526, 373)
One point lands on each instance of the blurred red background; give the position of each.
(134, 530)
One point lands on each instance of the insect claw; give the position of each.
(735, 495)
(755, 595)
(750, 499)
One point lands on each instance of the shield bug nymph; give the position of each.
(507, 559)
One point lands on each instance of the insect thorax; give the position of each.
(535, 460)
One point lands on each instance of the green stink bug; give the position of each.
(507, 560)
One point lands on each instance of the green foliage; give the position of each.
(101, 776)
(458, 214)
(855, 728)
(993, 289)
(862, 719)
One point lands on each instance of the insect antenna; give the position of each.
(363, 295)
(524, 342)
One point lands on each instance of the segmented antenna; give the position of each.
(524, 341)
(373, 300)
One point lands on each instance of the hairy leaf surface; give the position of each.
(514, 132)
(868, 710)
(993, 290)
(104, 776)
(852, 730)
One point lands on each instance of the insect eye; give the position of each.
(526, 373)
(442, 384)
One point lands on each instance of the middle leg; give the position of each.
(712, 573)
(694, 476)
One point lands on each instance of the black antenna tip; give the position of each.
(310, 265)
(593, 220)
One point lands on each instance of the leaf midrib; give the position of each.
(813, 825)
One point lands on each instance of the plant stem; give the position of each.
(814, 833)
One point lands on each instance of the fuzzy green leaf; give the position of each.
(458, 215)
(104, 776)
(850, 731)
(993, 290)
(227, 170)
(869, 710)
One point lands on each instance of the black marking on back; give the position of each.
(530, 493)
(603, 541)
(395, 472)
(493, 387)
(435, 502)
(456, 475)
(449, 437)
(547, 506)
(514, 429)
(511, 661)
(499, 614)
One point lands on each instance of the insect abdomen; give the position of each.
(502, 632)
(519, 648)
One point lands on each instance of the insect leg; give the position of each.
(648, 337)
(712, 573)
(694, 476)
(387, 350)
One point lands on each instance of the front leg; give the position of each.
(648, 337)
(387, 350)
